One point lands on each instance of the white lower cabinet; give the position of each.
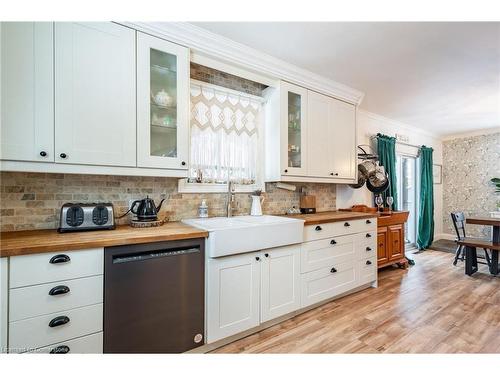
(328, 282)
(232, 295)
(280, 282)
(248, 289)
(40, 331)
(56, 302)
(90, 344)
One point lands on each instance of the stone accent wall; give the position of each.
(468, 166)
(217, 77)
(33, 200)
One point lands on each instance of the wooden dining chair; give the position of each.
(458, 219)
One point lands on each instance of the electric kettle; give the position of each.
(146, 209)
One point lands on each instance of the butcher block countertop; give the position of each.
(44, 241)
(332, 216)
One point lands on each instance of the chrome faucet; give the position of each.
(230, 198)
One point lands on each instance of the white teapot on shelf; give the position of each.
(163, 98)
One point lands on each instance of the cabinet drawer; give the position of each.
(49, 298)
(323, 253)
(91, 344)
(34, 333)
(367, 270)
(366, 247)
(322, 284)
(49, 267)
(321, 231)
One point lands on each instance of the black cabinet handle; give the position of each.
(336, 174)
(266, 255)
(60, 289)
(286, 170)
(368, 248)
(318, 228)
(63, 155)
(333, 242)
(61, 349)
(368, 221)
(368, 235)
(347, 224)
(43, 154)
(59, 321)
(257, 258)
(183, 163)
(368, 262)
(333, 270)
(59, 258)
(331, 174)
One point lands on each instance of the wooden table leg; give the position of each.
(494, 262)
(470, 260)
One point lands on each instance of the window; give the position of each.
(225, 136)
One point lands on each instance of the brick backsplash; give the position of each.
(33, 200)
(217, 77)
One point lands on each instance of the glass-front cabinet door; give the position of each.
(162, 103)
(293, 130)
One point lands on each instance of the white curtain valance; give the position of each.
(224, 135)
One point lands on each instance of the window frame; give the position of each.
(186, 187)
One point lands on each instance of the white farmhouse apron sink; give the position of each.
(243, 234)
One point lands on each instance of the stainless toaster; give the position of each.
(86, 216)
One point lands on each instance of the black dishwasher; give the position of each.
(154, 297)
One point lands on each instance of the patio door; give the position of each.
(406, 172)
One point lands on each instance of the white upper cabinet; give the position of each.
(332, 135)
(316, 140)
(293, 130)
(162, 103)
(95, 95)
(319, 154)
(342, 135)
(27, 101)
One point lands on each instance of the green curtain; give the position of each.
(386, 149)
(426, 211)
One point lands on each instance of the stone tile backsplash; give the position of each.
(33, 200)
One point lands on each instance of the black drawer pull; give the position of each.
(266, 255)
(60, 289)
(257, 259)
(368, 235)
(368, 248)
(59, 321)
(61, 349)
(347, 225)
(333, 270)
(318, 228)
(333, 242)
(368, 221)
(368, 262)
(59, 258)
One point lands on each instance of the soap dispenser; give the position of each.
(203, 209)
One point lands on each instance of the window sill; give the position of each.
(185, 187)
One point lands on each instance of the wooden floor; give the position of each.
(430, 308)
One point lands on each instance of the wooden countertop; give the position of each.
(332, 216)
(43, 241)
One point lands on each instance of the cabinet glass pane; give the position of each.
(294, 130)
(163, 104)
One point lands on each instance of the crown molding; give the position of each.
(216, 46)
(401, 125)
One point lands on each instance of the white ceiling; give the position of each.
(440, 77)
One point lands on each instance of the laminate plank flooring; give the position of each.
(432, 307)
